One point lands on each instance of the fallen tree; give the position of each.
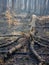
(20, 42)
(35, 53)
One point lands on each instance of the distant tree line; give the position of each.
(38, 7)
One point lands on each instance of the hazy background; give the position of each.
(20, 10)
(38, 7)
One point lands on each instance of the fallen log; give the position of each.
(35, 53)
(40, 40)
(43, 45)
(21, 42)
(11, 42)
